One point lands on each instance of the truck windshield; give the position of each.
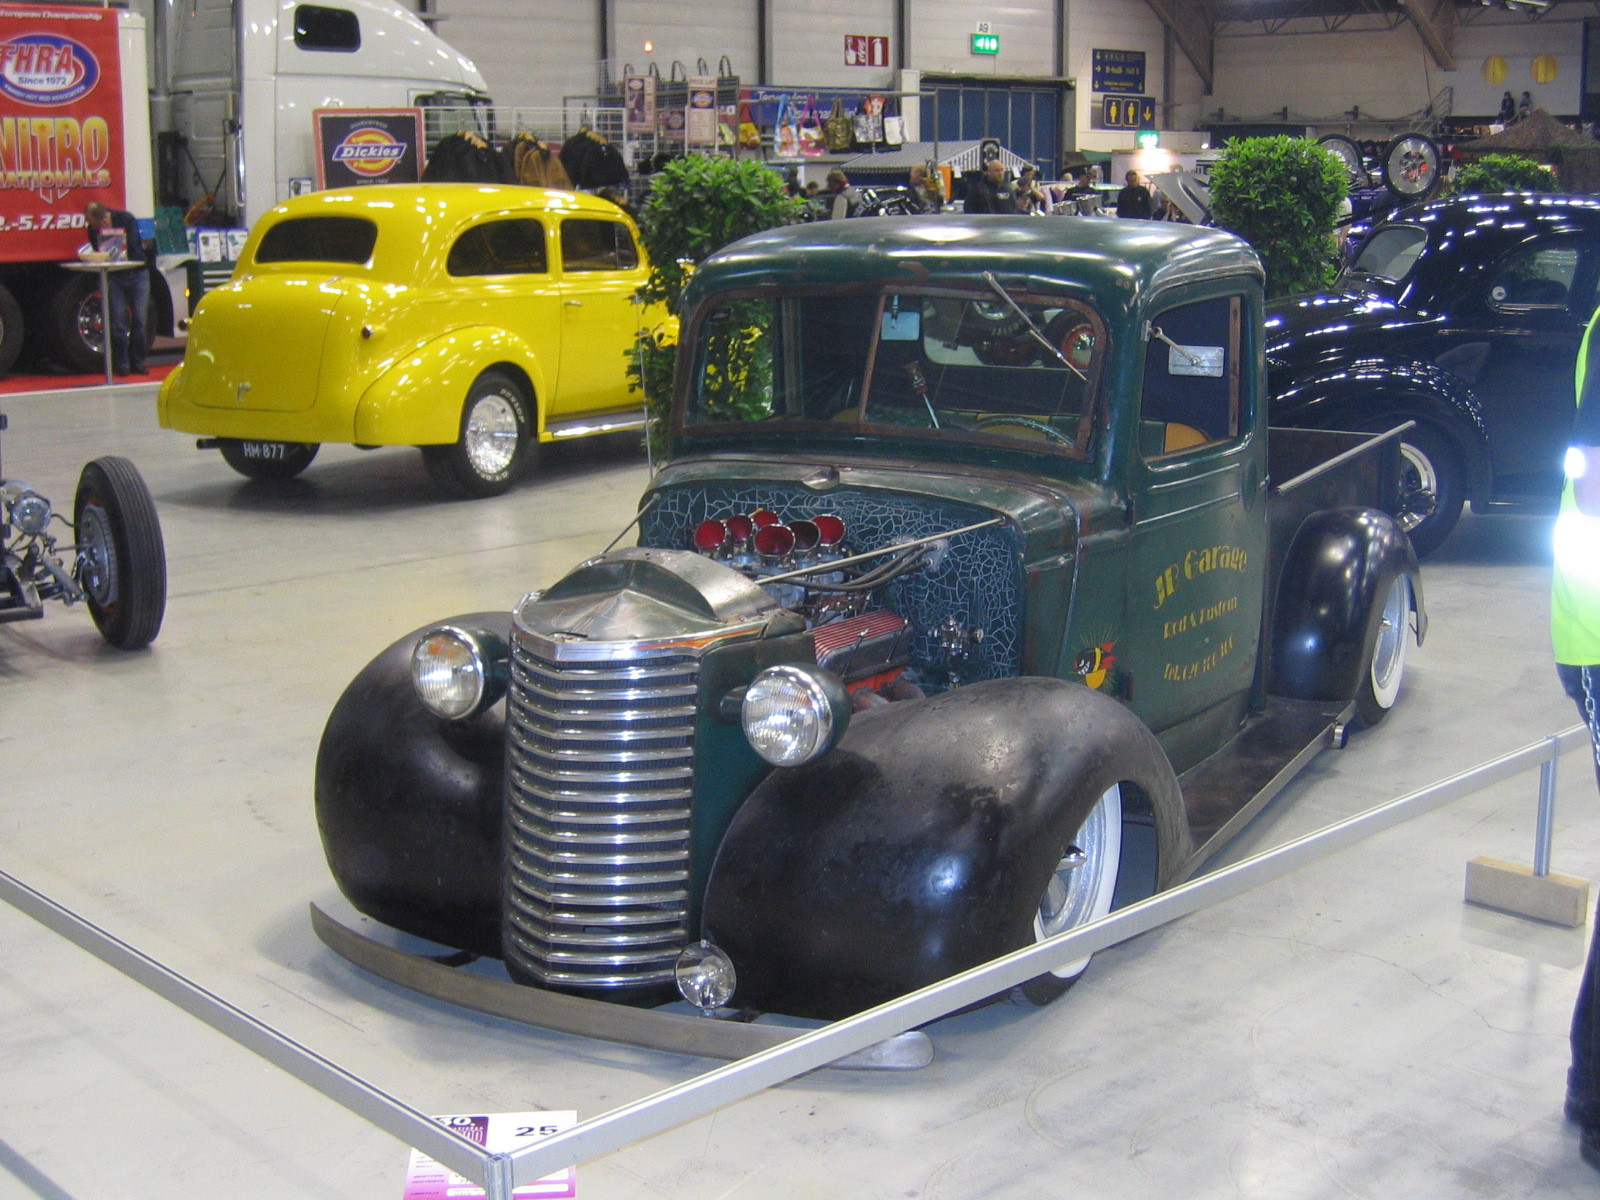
(956, 365)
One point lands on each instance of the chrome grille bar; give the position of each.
(600, 774)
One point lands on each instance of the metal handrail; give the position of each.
(500, 1173)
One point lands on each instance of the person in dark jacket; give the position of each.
(1135, 200)
(127, 291)
(988, 193)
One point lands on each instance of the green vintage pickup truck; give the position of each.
(974, 599)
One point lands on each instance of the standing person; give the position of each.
(1575, 637)
(1134, 199)
(987, 193)
(128, 292)
(839, 199)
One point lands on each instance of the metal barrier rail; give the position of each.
(499, 1173)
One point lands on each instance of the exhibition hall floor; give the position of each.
(1352, 1030)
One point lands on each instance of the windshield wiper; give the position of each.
(1038, 335)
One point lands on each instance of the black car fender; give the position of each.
(921, 845)
(410, 805)
(1360, 393)
(1336, 574)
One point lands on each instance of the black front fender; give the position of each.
(1337, 572)
(922, 844)
(410, 805)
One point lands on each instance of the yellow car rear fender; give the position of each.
(417, 402)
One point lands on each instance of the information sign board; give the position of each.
(1119, 72)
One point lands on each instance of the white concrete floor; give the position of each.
(1351, 1031)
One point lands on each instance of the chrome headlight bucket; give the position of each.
(30, 512)
(794, 713)
(457, 672)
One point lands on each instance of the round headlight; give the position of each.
(457, 672)
(793, 714)
(31, 513)
(705, 976)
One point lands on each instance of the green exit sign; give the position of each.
(986, 43)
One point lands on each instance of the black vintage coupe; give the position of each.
(1465, 316)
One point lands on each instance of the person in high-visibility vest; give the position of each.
(1575, 635)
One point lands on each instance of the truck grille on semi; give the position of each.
(600, 767)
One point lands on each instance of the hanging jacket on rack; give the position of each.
(592, 161)
(463, 158)
(535, 164)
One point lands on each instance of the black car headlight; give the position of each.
(459, 672)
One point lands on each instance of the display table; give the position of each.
(104, 270)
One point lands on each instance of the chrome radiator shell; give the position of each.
(600, 765)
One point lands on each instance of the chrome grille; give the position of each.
(600, 771)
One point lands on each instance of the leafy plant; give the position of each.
(697, 205)
(1503, 173)
(1282, 195)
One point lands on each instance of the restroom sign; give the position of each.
(866, 50)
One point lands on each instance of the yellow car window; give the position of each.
(319, 239)
(509, 247)
(597, 246)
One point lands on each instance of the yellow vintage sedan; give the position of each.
(470, 321)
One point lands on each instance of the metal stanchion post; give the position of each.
(1545, 831)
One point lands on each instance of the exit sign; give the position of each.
(986, 43)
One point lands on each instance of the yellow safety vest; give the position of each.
(1575, 587)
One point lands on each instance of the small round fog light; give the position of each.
(705, 976)
(30, 512)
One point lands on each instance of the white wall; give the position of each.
(1125, 25)
(530, 54)
(808, 42)
(1390, 74)
(941, 37)
(683, 32)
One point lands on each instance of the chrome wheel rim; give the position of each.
(96, 562)
(1080, 889)
(89, 322)
(1389, 654)
(491, 435)
(1419, 487)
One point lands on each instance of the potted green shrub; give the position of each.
(1503, 173)
(1282, 195)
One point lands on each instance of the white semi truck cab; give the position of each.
(228, 90)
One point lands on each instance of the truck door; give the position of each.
(1199, 538)
(600, 271)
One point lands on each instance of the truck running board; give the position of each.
(703, 1036)
(1274, 746)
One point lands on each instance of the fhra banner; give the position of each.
(360, 146)
(60, 127)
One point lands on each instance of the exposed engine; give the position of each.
(805, 565)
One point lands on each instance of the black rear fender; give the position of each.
(410, 805)
(1377, 393)
(1335, 576)
(922, 844)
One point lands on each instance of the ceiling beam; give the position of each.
(1436, 25)
(1190, 26)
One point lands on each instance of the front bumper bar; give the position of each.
(673, 1032)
